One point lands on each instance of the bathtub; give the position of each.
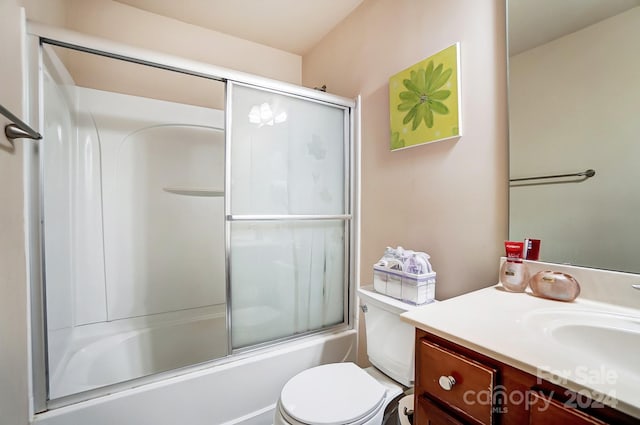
(242, 389)
(101, 354)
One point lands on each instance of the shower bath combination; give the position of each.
(182, 239)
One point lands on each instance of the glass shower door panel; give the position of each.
(133, 227)
(289, 215)
(287, 155)
(287, 278)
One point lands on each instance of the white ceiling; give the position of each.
(291, 25)
(535, 22)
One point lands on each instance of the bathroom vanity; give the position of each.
(494, 357)
(484, 390)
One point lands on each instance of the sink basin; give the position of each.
(617, 346)
(612, 338)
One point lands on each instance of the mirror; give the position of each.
(574, 105)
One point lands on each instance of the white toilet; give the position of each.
(343, 393)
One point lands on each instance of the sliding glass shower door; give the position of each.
(288, 214)
(133, 220)
(181, 218)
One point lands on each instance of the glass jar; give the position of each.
(554, 285)
(514, 276)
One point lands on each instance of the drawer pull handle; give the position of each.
(447, 382)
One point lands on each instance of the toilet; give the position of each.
(343, 393)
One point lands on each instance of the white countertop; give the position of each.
(514, 328)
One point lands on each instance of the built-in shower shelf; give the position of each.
(194, 191)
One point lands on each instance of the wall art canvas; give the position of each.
(424, 100)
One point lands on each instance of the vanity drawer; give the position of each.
(547, 411)
(430, 414)
(458, 381)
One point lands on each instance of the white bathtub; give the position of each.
(101, 354)
(234, 391)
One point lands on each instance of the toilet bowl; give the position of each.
(331, 394)
(345, 394)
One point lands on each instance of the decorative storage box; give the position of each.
(411, 288)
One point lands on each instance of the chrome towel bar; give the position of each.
(585, 174)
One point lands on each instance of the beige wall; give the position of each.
(13, 287)
(50, 12)
(449, 198)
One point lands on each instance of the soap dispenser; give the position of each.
(514, 274)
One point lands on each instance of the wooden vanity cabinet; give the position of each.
(557, 413)
(430, 413)
(455, 385)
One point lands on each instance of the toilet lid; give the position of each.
(337, 393)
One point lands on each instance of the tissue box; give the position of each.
(418, 288)
(408, 287)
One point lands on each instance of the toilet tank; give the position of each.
(390, 341)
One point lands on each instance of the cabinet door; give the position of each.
(428, 413)
(547, 411)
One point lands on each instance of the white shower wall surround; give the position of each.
(118, 138)
(164, 250)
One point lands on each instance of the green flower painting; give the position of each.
(396, 141)
(423, 97)
(424, 101)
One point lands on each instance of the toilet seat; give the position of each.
(332, 394)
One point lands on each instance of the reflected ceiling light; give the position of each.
(264, 115)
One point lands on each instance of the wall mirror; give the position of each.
(574, 102)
